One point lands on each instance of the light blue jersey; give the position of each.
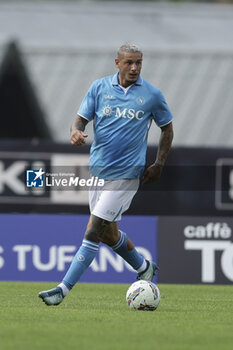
(121, 123)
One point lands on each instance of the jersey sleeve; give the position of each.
(87, 107)
(161, 112)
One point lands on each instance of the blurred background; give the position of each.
(51, 51)
(65, 45)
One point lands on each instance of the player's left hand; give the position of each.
(152, 173)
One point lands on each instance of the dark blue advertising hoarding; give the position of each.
(195, 249)
(36, 247)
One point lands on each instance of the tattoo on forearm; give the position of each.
(164, 145)
(79, 124)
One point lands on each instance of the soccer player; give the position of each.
(122, 107)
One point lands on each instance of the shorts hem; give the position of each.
(103, 216)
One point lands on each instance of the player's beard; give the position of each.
(132, 78)
(126, 78)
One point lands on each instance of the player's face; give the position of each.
(129, 65)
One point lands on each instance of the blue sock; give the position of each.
(80, 263)
(131, 256)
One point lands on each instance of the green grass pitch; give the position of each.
(96, 316)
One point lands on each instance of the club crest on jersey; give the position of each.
(140, 100)
(107, 111)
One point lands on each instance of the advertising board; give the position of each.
(39, 247)
(195, 249)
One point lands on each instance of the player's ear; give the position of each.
(117, 62)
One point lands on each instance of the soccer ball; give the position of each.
(143, 295)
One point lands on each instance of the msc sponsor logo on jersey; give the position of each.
(129, 113)
(107, 111)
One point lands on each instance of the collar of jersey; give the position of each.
(115, 80)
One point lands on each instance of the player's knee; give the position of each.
(91, 235)
(96, 229)
(111, 235)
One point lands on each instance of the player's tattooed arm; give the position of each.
(79, 124)
(165, 143)
(78, 136)
(154, 171)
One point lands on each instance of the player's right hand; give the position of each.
(78, 138)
